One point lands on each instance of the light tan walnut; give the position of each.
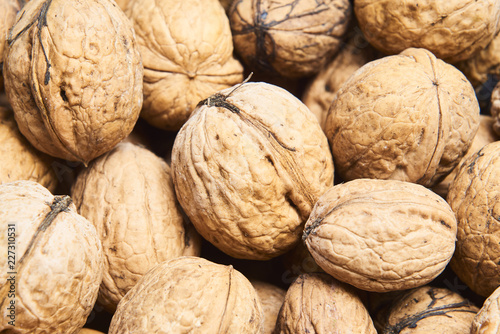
(381, 235)
(474, 196)
(187, 51)
(408, 117)
(319, 304)
(293, 38)
(487, 320)
(453, 30)
(271, 298)
(190, 295)
(55, 267)
(129, 196)
(495, 108)
(73, 75)
(248, 167)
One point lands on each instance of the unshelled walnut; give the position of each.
(190, 295)
(187, 51)
(248, 167)
(452, 30)
(18, 159)
(408, 117)
(474, 196)
(73, 75)
(293, 38)
(317, 303)
(271, 298)
(381, 235)
(55, 267)
(430, 310)
(129, 196)
(487, 320)
(495, 108)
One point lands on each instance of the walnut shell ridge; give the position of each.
(487, 319)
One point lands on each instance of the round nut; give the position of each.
(408, 117)
(381, 235)
(187, 51)
(487, 320)
(248, 167)
(73, 75)
(19, 160)
(190, 295)
(58, 262)
(293, 38)
(271, 298)
(129, 196)
(430, 310)
(452, 30)
(317, 303)
(495, 108)
(474, 196)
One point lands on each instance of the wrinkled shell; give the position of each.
(74, 77)
(18, 159)
(59, 261)
(129, 196)
(293, 38)
(453, 30)
(248, 169)
(495, 108)
(187, 51)
(381, 235)
(474, 196)
(317, 304)
(430, 310)
(409, 117)
(487, 320)
(271, 298)
(190, 295)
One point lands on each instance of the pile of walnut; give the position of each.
(249, 166)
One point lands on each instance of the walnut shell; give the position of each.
(129, 196)
(58, 261)
(495, 108)
(73, 76)
(189, 295)
(430, 310)
(474, 196)
(452, 30)
(408, 117)
(19, 160)
(271, 298)
(381, 235)
(187, 51)
(487, 320)
(317, 303)
(248, 167)
(293, 38)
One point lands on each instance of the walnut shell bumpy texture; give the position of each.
(430, 310)
(381, 235)
(452, 30)
(59, 262)
(187, 51)
(129, 196)
(318, 304)
(487, 320)
(248, 167)
(190, 295)
(293, 38)
(73, 75)
(18, 159)
(408, 117)
(474, 196)
(271, 298)
(495, 109)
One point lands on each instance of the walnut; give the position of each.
(58, 261)
(408, 117)
(474, 197)
(248, 167)
(129, 196)
(187, 51)
(317, 303)
(293, 38)
(430, 310)
(452, 30)
(190, 295)
(381, 235)
(271, 298)
(487, 320)
(73, 75)
(495, 108)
